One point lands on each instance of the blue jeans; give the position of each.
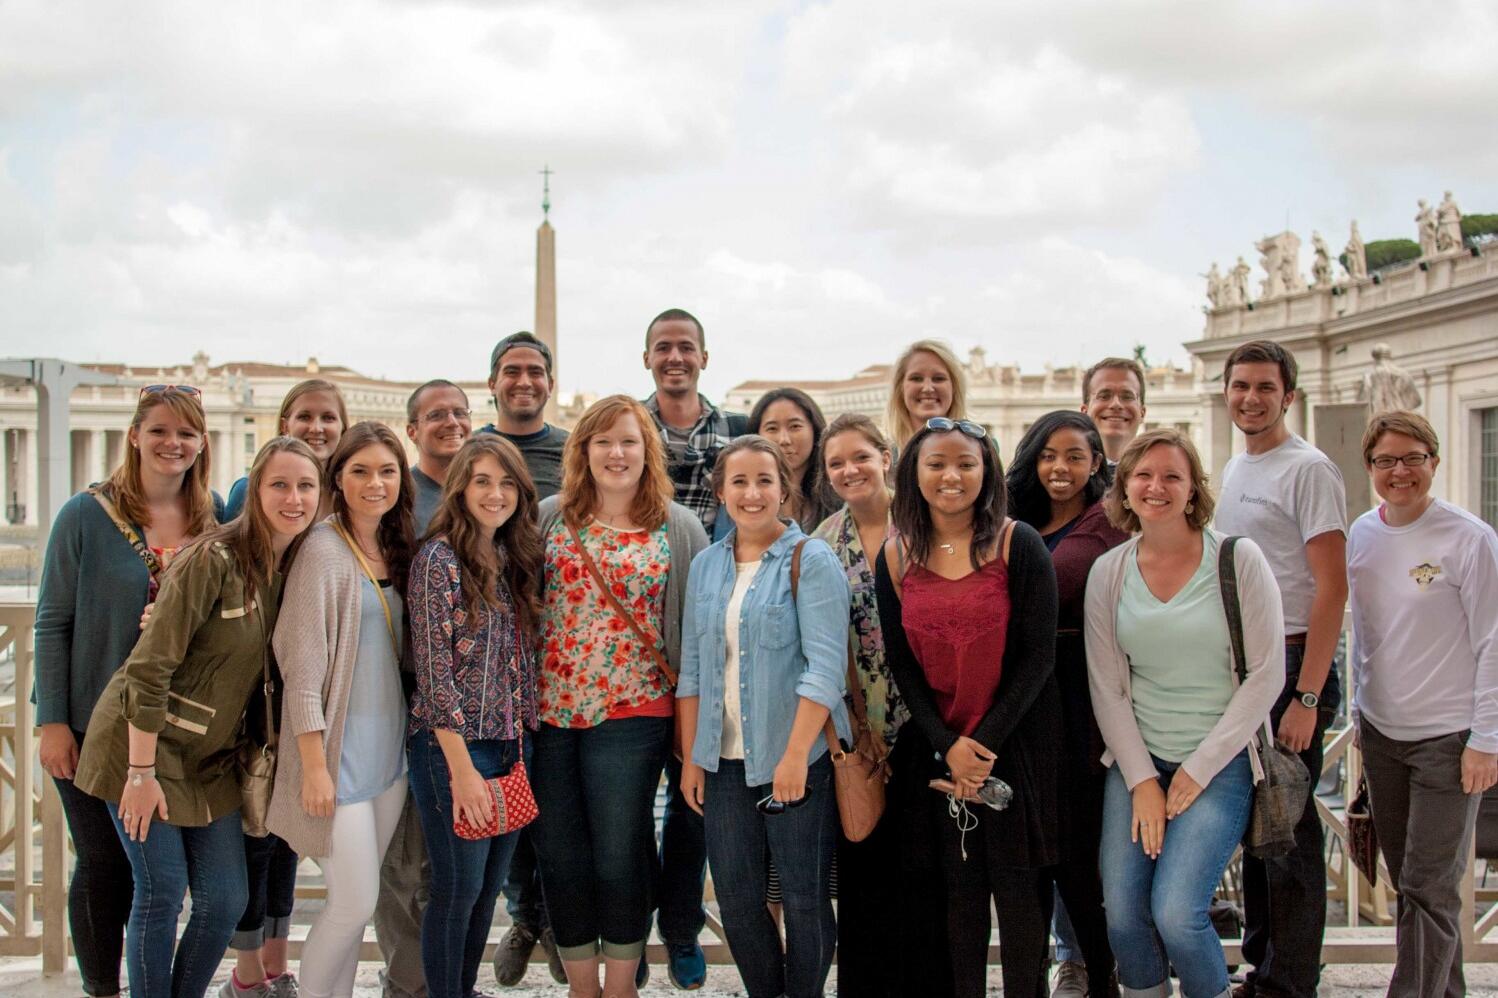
(740, 844)
(207, 860)
(594, 839)
(683, 861)
(1157, 908)
(466, 873)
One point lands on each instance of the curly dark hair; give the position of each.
(397, 530)
(912, 516)
(1030, 501)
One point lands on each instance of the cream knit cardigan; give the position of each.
(316, 644)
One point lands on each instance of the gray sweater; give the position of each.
(685, 538)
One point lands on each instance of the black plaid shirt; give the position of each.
(691, 469)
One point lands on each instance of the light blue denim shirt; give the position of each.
(788, 649)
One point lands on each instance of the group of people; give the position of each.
(1040, 662)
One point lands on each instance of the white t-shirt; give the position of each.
(1281, 499)
(1425, 625)
(733, 722)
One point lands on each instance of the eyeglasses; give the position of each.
(1386, 461)
(163, 389)
(770, 805)
(941, 424)
(440, 415)
(1108, 395)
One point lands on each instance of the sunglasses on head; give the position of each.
(941, 424)
(163, 389)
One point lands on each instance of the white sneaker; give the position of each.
(1071, 980)
(284, 986)
(230, 990)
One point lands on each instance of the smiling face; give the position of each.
(1159, 487)
(616, 456)
(1065, 464)
(1256, 397)
(289, 492)
(442, 423)
(675, 357)
(786, 425)
(491, 494)
(1402, 487)
(520, 385)
(926, 387)
(168, 444)
(1115, 405)
(314, 420)
(950, 473)
(752, 490)
(370, 481)
(855, 467)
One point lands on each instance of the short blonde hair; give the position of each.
(1202, 500)
(897, 421)
(1411, 424)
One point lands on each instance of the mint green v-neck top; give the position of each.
(1180, 658)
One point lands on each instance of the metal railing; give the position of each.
(35, 850)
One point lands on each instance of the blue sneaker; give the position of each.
(686, 966)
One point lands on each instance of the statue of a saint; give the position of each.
(1448, 225)
(1238, 283)
(1425, 218)
(1273, 284)
(1321, 262)
(1357, 257)
(1216, 292)
(1388, 387)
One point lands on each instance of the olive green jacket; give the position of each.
(189, 679)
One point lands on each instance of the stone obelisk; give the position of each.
(546, 290)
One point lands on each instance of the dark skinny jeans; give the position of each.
(100, 892)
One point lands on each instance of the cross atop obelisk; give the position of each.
(546, 288)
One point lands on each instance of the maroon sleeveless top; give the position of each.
(956, 629)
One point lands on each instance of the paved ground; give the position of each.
(23, 977)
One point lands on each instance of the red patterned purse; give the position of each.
(513, 804)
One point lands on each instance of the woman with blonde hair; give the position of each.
(107, 548)
(163, 739)
(927, 381)
(618, 550)
(313, 412)
(474, 616)
(1176, 721)
(340, 643)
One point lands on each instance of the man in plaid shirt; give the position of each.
(692, 428)
(694, 431)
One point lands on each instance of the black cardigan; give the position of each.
(1022, 727)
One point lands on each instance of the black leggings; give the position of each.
(1078, 880)
(100, 894)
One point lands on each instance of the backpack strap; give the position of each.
(1227, 584)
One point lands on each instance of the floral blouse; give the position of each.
(592, 665)
(474, 674)
(886, 708)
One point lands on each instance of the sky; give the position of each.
(820, 183)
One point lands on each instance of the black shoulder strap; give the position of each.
(1227, 582)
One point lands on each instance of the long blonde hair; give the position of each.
(125, 486)
(898, 422)
(580, 495)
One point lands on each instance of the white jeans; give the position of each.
(361, 832)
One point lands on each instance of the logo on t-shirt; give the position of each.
(1425, 574)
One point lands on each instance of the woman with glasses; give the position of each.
(763, 669)
(163, 740)
(1056, 485)
(474, 615)
(108, 547)
(340, 641)
(927, 381)
(1423, 575)
(1175, 720)
(608, 671)
(967, 602)
(790, 419)
(312, 412)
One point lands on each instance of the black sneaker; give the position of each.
(513, 955)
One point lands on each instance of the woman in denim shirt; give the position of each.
(754, 700)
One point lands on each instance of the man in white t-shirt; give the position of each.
(1288, 497)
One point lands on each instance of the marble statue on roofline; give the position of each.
(1216, 288)
(1388, 387)
(1448, 225)
(1425, 218)
(1357, 256)
(1237, 284)
(1321, 262)
(1280, 258)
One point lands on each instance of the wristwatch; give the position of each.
(1310, 700)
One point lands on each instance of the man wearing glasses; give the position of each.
(1113, 395)
(1288, 497)
(437, 421)
(521, 383)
